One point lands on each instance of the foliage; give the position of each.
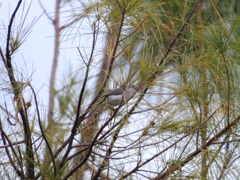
(183, 121)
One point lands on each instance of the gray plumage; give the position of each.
(120, 95)
(116, 97)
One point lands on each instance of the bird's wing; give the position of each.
(117, 91)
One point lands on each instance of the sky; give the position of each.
(35, 54)
(34, 58)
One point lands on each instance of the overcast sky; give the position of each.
(37, 50)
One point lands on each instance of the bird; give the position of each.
(120, 96)
(115, 97)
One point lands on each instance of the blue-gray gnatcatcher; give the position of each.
(116, 97)
(120, 95)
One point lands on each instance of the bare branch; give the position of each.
(180, 164)
(4, 138)
(19, 100)
(42, 131)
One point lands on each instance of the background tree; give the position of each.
(181, 123)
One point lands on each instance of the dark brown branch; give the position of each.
(156, 155)
(112, 57)
(228, 159)
(8, 115)
(12, 144)
(82, 117)
(78, 120)
(169, 49)
(4, 138)
(42, 132)
(85, 158)
(120, 125)
(180, 164)
(108, 152)
(8, 53)
(3, 57)
(141, 96)
(19, 100)
(132, 33)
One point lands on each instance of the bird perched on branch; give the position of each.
(120, 95)
(115, 97)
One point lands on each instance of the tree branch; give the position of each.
(181, 163)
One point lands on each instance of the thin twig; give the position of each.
(180, 164)
(12, 144)
(4, 138)
(78, 121)
(85, 158)
(42, 131)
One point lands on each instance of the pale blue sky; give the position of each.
(37, 50)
